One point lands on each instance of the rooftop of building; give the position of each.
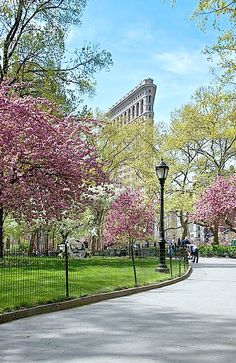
(145, 82)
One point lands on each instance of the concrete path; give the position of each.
(192, 321)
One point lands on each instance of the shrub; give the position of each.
(217, 251)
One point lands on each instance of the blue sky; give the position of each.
(146, 39)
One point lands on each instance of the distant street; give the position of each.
(191, 321)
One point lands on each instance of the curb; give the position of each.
(52, 307)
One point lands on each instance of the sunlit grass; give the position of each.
(31, 281)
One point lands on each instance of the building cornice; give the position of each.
(144, 84)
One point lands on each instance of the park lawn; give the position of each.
(28, 282)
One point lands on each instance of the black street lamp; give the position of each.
(162, 172)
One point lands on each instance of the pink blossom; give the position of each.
(46, 161)
(217, 204)
(129, 218)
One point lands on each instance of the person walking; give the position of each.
(195, 253)
(185, 242)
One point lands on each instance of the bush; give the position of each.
(217, 251)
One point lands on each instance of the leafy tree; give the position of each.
(101, 198)
(46, 162)
(33, 46)
(223, 16)
(208, 126)
(128, 153)
(211, 126)
(180, 184)
(130, 218)
(217, 205)
(14, 231)
(199, 145)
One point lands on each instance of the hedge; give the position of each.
(217, 251)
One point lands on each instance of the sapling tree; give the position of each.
(130, 218)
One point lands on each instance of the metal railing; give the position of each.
(27, 281)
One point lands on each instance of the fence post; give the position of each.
(187, 262)
(171, 267)
(66, 269)
(133, 263)
(180, 258)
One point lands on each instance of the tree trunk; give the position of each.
(46, 242)
(232, 228)
(93, 245)
(1, 232)
(10, 39)
(53, 239)
(99, 219)
(214, 230)
(184, 224)
(133, 262)
(37, 241)
(98, 240)
(32, 242)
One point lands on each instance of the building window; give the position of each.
(133, 111)
(137, 110)
(149, 99)
(129, 114)
(141, 108)
(122, 119)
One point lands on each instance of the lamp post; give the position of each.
(162, 172)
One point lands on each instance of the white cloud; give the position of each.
(182, 62)
(138, 32)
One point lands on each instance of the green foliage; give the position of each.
(200, 144)
(204, 130)
(101, 198)
(222, 14)
(13, 230)
(33, 46)
(217, 251)
(129, 150)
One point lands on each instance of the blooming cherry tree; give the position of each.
(46, 161)
(130, 218)
(217, 205)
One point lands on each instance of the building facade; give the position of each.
(137, 103)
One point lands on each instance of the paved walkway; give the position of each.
(192, 321)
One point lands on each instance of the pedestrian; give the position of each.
(178, 244)
(195, 253)
(171, 249)
(185, 242)
(174, 244)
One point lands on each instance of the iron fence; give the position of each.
(32, 280)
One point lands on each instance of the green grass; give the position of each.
(32, 281)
